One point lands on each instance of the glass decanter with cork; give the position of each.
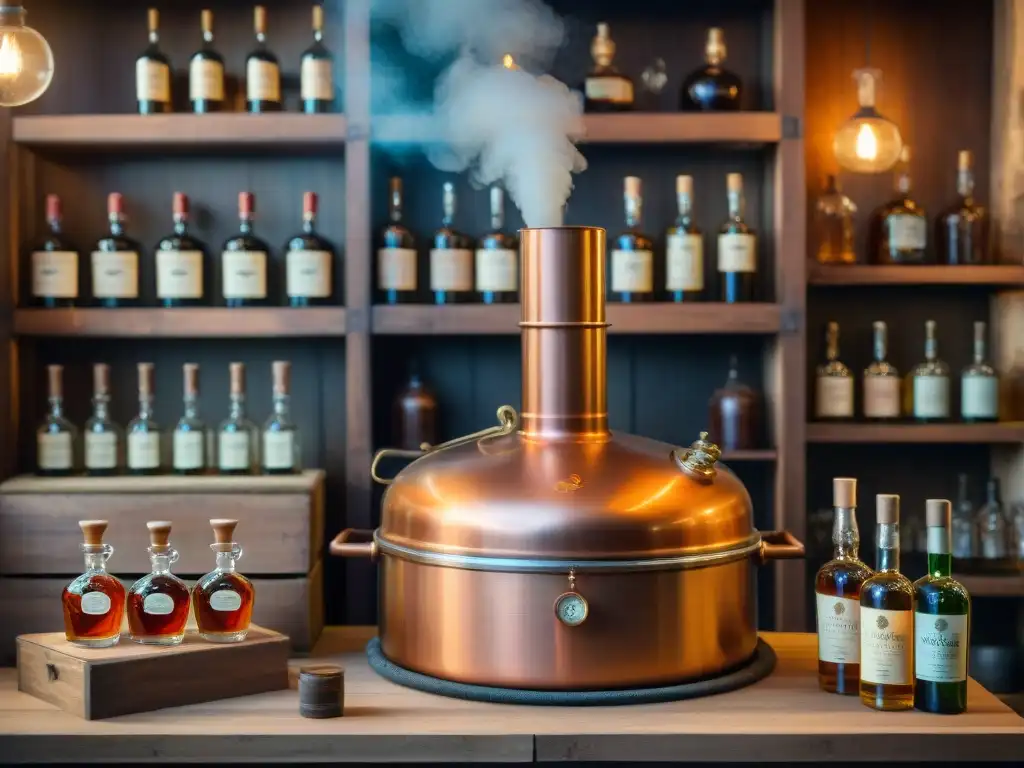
(158, 602)
(94, 602)
(223, 598)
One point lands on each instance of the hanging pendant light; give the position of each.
(26, 61)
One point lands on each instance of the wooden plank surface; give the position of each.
(303, 482)
(785, 717)
(869, 274)
(1003, 432)
(987, 585)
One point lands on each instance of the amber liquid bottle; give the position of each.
(94, 602)
(415, 415)
(158, 602)
(223, 598)
(961, 231)
(735, 413)
(898, 231)
(631, 261)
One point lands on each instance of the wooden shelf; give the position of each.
(992, 586)
(183, 322)
(474, 319)
(1004, 432)
(229, 132)
(760, 454)
(869, 274)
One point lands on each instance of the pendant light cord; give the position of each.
(867, 33)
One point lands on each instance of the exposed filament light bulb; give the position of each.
(867, 142)
(11, 62)
(26, 61)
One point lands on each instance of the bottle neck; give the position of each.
(318, 35)
(245, 223)
(979, 351)
(161, 562)
(940, 560)
(832, 347)
(100, 407)
(888, 547)
(736, 205)
(633, 212)
(903, 183)
(226, 562)
(395, 207)
(282, 404)
(845, 534)
(261, 39)
(685, 208)
(931, 348)
(880, 345)
(56, 406)
(154, 37)
(191, 406)
(965, 184)
(116, 224)
(145, 406)
(55, 225)
(237, 410)
(208, 37)
(309, 223)
(95, 561)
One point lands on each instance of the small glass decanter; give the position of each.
(94, 602)
(833, 221)
(280, 452)
(223, 599)
(158, 602)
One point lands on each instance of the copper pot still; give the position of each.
(549, 553)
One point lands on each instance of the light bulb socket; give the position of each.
(12, 13)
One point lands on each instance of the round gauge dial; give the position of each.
(571, 609)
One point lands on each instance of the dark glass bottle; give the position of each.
(181, 262)
(317, 75)
(451, 260)
(262, 73)
(115, 261)
(734, 413)
(898, 232)
(737, 249)
(712, 88)
(961, 231)
(415, 415)
(153, 72)
(54, 264)
(631, 267)
(684, 252)
(244, 261)
(497, 258)
(206, 72)
(606, 89)
(396, 257)
(309, 261)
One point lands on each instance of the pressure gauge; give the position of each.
(571, 609)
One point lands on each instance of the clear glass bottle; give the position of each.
(56, 436)
(102, 435)
(158, 603)
(206, 72)
(899, 229)
(930, 381)
(94, 602)
(605, 88)
(451, 260)
(737, 249)
(143, 431)
(993, 532)
(684, 252)
(834, 390)
(223, 599)
(262, 73)
(316, 70)
(964, 532)
(942, 617)
(887, 620)
(631, 267)
(881, 380)
(153, 72)
(712, 88)
(497, 258)
(961, 231)
(837, 590)
(280, 435)
(189, 443)
(396, 257)
(979, 385)
(833, 223)
(237, 436)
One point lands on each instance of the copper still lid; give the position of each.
(553, 483)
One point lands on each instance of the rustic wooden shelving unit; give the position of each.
(996, 275)
(994, 433)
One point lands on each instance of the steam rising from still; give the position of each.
(502, 124)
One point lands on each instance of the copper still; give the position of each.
(548, 553)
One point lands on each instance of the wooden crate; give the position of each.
(95, 683)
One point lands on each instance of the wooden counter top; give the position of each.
(784, 717)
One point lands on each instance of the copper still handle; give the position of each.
(780, 545)
(364, 546)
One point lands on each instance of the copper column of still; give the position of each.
(548, 552)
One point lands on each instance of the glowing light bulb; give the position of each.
(867, 143)
(11, 62)
(26, 61)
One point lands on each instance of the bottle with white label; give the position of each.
(898, 231)
(837, 590)
(143, 433)
(56, 436)
(94, 602)
(942, 623)
(961, 231)
(605, 88)
(115, 261)
(223, 599)
(930, 381)
(497, 258)
(317, 70)
(181, 262)
(237, 436)
(188, 447)
(631, 261)
(243, 260)
(451, 256)
(262, 73)
(206, 72)
(102, 436)
(887, 619)
(834, 391)
(158, 603)
(737, 249)
(684, 252)
(882, 400)
(309, 261)
(54, 264)
(979, 384)
(153, 72)
(280, 450)
(396, 257)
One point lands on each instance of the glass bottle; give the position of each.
(993, 533)
(223, 599)
(961, 231)
(262, 74)
(189, 444)
(631, 270)
(54, 264)
(55, 437)
(979, 385)
(887, 619)
(930, 381)
(181, 262)
(206, 72)
(316, 70)
(309, 259)
(881, 381)
(837, 589)
(237, 436)
(942, 617)
(143, 431)
(280, 435)
(153, 72)
(834, 391)
(605, 88)
(414, 414)
(833, 220)
(94, 602)
(899, 229)
(964, 545)
(244, 260)
(734, 413)
(396, 256)
(712, 88)
(115, 261)
(102, 435)
(497, 258)
(158, 602)
(451, 260)
(737, 249)
(684, 252)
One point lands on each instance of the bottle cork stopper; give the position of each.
(159, 534)
(929, 328)
(734, 182)
(153, 17)
(887, 508)
(310, 203)
(844, 492)
(190, 376)
(115, 203)
(223, 532)
(101, 379)
(964, 160)
(632, 186)
(92, 531)
(146, 387)
(53, 211)
(938, 513)
(179, 204)
(318, 18)
(237, 374)
(396, 185)
(246, 204)
(55, 374)
(602, 29)
(282, 373)
(259, 19)
(684, 185)
(206, 20)
(715, 35)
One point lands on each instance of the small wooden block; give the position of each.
(96, 683)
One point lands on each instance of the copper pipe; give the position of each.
(564, 333)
